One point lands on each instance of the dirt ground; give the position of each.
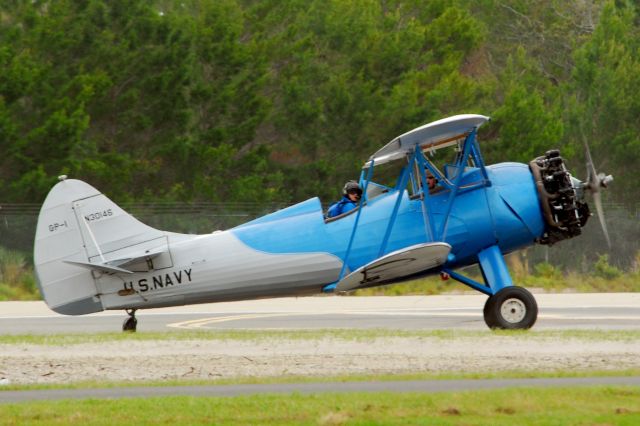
(215, 359)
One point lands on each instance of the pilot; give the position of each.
(351, 194)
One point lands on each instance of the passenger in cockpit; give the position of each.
(431, 181)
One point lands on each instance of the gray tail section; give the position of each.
(80, 235)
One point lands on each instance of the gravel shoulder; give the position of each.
(120, 361)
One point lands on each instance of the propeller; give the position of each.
(594, 183)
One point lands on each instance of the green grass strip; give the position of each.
(522, 406)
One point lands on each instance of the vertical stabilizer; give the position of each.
(79, 225)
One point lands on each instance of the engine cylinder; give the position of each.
(564, 213)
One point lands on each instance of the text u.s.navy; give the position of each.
(159, 281)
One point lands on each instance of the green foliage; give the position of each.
(604, 270)
(17, 281)
(221, 100)
(604, 105)
(424, 286)
(547, 270)
(548, 277)
(282, 100)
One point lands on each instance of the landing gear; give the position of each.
(131, 322)
(512, 308)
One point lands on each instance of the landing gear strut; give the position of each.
(131, 322)
(512, 308)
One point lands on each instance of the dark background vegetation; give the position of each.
(270, 102)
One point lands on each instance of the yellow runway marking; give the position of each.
(199, 323)
(204, 322)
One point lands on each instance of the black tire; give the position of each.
(130, 324)
(512, 308)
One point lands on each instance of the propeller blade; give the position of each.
(598, 202)
(595, 182)
(592, 176)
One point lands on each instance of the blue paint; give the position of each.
(482, 212)
(329, 288)
(494, 269)
(311, 206)
(469, 282)
(301, 228)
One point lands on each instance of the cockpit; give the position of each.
(435, 159)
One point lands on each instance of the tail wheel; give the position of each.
(131, 323)
(512, 308)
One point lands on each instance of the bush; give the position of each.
(604, 270)
(17, 281)
(548, 271)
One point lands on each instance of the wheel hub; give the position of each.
(513, 310)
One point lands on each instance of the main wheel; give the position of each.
(511, 308)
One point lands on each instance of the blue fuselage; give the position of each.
(506, 213)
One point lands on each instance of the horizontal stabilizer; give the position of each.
(135, 258)
(115, 266)
(396, 265)
(102, 267)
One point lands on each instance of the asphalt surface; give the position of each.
(617, 311)
(426, 386)
(556, 311)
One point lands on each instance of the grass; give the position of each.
(528, 406)
(340, 334)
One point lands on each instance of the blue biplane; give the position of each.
(90, 255)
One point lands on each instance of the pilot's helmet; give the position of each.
(352, 186)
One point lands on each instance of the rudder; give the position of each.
(78, 226)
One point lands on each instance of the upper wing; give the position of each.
(435, 135)
(396, 265)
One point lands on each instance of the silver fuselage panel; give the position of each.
(219, 267)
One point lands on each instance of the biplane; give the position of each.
(90, 255)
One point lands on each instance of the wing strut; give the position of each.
(355, 224)
(468, 149)
(427, 211)
(402, 184)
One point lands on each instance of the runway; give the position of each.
(204, 359)
(615, 311)
(425, 386)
